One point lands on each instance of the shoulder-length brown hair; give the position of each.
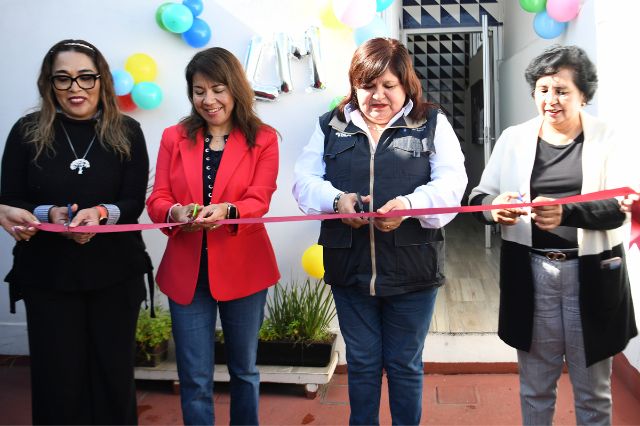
(371, 60)
(110, 127)
(221, 66)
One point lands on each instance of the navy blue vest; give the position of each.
(407, 259)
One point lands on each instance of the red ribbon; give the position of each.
(635, 225)
(592, 196)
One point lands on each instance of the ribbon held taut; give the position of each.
(592, 196)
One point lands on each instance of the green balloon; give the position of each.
(533, 6)
(159, 12)
(334, 102)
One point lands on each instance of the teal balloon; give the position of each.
(334, 102)
(547, 27)
(533, 6)
(177, 18)
(146, 95)
(198, 35)
(382, 4)
(375, 28)
(122, 82)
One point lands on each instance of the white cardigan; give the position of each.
(511, 163)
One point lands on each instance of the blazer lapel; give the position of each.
(234, 151)
(192, 164)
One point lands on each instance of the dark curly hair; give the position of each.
(549, 62)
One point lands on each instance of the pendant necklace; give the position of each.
(79, 163)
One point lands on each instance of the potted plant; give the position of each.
(296, 330)
(152, 337)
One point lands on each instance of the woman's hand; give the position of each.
(626, 204)
(210, 215)
(512, 215)
(18, 222)
(346, 204)
(387, 224)
(184, 214)
(85, 217)
(546, 217)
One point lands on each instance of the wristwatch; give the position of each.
(232, 211)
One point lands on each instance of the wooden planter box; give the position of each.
(157, 355)
(285, 353)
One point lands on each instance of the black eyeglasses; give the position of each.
(84, 81)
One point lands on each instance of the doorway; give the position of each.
(452, 67)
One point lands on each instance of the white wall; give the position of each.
(605, 30)
(120, 28)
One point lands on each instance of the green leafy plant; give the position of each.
(152, 332)
(299, 313)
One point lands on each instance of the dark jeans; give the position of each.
(384, 332)
(82, 349)
(194, 328)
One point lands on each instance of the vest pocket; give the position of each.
(332, 236)
(411, 156)
(337, 158)
(419, 253)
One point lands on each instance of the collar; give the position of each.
(353, 114)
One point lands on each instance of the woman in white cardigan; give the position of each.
(564, 289)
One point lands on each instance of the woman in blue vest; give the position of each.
(383, 148)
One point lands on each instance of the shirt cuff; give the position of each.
(42, 212)
(114, 213)
(169, 218)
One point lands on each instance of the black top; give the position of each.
(557, 173)
(210, 165)
(49, 260)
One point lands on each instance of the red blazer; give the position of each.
(240, 263)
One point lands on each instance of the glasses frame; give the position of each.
(72, 80)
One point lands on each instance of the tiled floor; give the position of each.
(465, 399)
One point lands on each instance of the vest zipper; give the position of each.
(372, 240)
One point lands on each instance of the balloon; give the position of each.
(198, 35)
(283, 47)
(335, 101)
(328, 18)
(312, 38)
(177, 18)
(146, 95)
(563, 10)
(533, 6)
(354, 13)
(376, 28)
(142, 67)
(547, 27)
(159, 12)
(382, 4)
(125, 103)
(312, 261)
(122, 82)
(195, 6)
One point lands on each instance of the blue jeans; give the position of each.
(384, 332)
(194, 334)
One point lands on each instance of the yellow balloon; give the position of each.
(142, 67)
(312, 261)
(328, 18)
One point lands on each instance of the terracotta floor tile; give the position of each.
(456, 394)
(336, 394)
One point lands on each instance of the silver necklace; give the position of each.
(79, 163)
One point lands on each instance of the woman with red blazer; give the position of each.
(219, 162)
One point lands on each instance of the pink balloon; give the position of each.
(354, 13)
(563, 10)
